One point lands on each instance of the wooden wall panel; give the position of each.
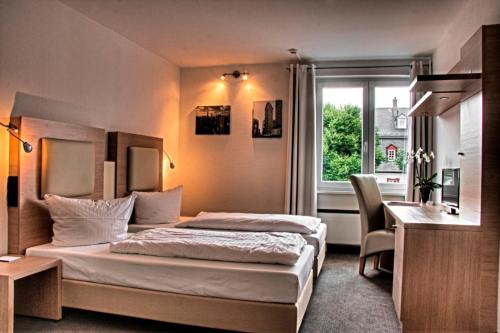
(29, 222)
(480, 55)
(490, 185)
(118, 142)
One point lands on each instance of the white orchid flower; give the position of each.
(419, 150)
(428, 159)
(419, 160)
(424, 155)
(432, 155)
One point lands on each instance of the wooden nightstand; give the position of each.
(35, 283)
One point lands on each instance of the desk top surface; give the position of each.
(418, 216)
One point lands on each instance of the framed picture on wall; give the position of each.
(213, 120)
(267, 117)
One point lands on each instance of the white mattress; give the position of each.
(316, 239)
(243, 281)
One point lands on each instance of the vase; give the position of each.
(425, 194)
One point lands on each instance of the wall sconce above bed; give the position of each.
(13, 129)
(171, 164)
(235, 75)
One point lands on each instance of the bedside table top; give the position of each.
(26, 266)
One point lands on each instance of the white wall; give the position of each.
(447, 126)
(232, 172)
(446, 143)
(57, 64)
(473, 14)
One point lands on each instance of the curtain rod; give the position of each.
(360, 67)
(355, 67)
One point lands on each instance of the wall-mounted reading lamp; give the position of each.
(13, 129)
(236, 75)
(172, 165)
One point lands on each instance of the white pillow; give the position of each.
(87, 222)
(158, 207)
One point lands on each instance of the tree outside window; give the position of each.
(342, 136)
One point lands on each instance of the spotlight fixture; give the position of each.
(172, 165)
(11, 128)
(236, 75)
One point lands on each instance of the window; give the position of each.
(362, 129)
(391, 153)
(401, 122)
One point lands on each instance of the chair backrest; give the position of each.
(371, 208)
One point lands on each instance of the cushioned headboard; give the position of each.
(68, 167)
(29, 219)
(119, 146)
(142, 169)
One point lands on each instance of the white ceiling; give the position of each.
(192, 33)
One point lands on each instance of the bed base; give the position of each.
(220, 313)
(319, 260)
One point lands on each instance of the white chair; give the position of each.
(375, 238)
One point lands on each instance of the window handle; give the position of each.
(365, 147)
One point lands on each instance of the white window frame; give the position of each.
(368, 130)
(405, 122)
(389, 157)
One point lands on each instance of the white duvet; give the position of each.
(257, 247)
(253, 222)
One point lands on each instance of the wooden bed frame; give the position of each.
(229, 314)
(29, 219)
(30, 225)
(319, 260)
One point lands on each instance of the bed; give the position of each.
(95, 279)
(119, 144)
(233, 296)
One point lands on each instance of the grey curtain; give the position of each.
(301, 192)
(420, 130)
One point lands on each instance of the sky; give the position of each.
(354, 95)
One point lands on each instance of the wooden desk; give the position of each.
(35, 284)
(417, 216)
(436, 270)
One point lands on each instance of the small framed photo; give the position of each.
(213, 120)
(267, 117)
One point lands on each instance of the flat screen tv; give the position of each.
(450, 193)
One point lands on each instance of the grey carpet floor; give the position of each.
(343, 301)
